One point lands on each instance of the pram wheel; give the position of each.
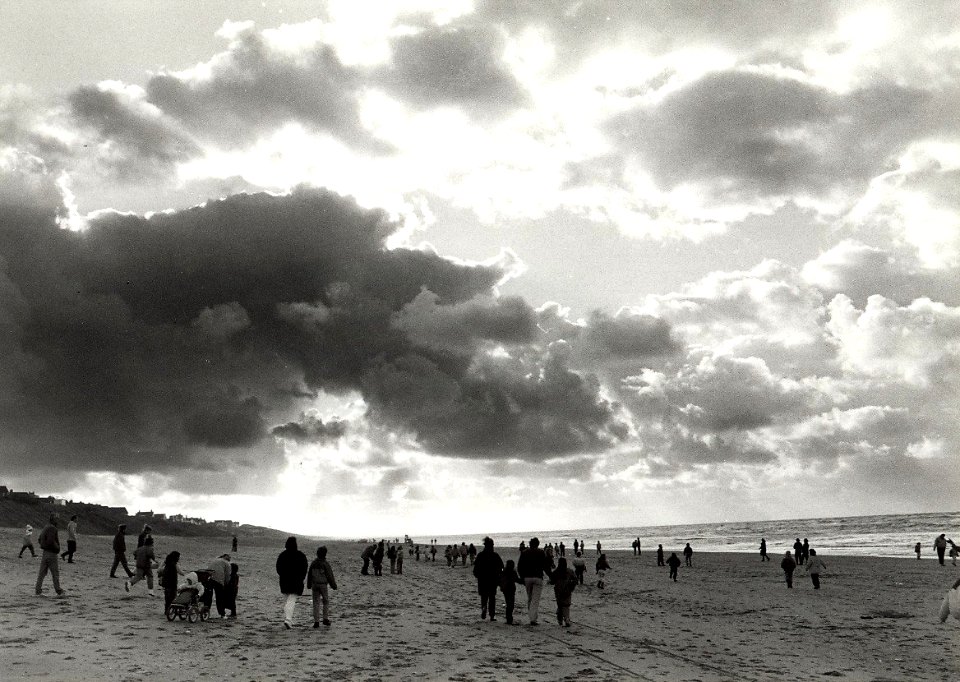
(193, 614)
(181, 614)
(170, 613)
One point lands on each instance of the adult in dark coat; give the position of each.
(789, 565)
(798, 551)
(378, 559)
(292, 570)
(487, 568)
(120, 552)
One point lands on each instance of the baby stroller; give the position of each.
(187, 604)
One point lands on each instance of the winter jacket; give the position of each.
(320, 574)
(49, 539)
(815, 565)
(509, 580)
(487, 569)
(292, 569)
(533, 563)
(788, 564)
(120, 543)
(219, 570)
(144, 557)
(564, 583)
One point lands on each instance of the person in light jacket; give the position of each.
(814, 566)
(319, 579)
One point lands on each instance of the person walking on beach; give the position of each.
(399, 561)
(940, 544)
(378, 559)
(602, 568)
(71, 540)
(639, 548)
(120, 552)
(487, 568)
(49, 541)
(688, 555)
(291, 570)
(634, 545)
(674, 563)
(27, 542)
(472, 553)
(579, 567)
(232, 589)
(392, 557)
(916, 548)
(144, 561)
(144, 534)
(433, 552)
(169, 577)
(531, 567)
(319, 580)
(367, 555)
(953, 552)
(660, 561)
(508, 586)
(805, 551)
(233, 544)
(798, 552)
(763, 550)
(564, 583)
(562, 548)
(598, 548)
(789, 565)
(576, 546)
(815, 566)
(463, 553)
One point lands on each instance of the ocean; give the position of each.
(889, 535)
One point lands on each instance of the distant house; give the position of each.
(119, 511)
(143, 515)
(59, 501)
(226, 523)
(4, 491)
(160, 517)
(29, 498)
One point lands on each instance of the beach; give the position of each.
(729, 617)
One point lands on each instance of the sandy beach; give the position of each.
(729, 617)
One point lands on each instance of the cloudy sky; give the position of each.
(440, 266)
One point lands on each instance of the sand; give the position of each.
(728, 617)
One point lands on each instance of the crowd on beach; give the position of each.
(218, 583)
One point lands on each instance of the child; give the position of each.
(232, 588)
(508, 585)
(953, 552)
(674, 563)
(27, 541)
(319, 577)
(146, 562)
(789, 564)
(602, 568)
(564, 582)
(579, 567)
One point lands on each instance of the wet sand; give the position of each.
(730, 617)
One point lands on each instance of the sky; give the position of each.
(431, 267)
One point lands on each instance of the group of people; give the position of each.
(293, 570)
(940, 545)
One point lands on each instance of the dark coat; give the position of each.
(509, 580)
(120, 542)
(487, 569)
(564, 583)
(292, 569)
(533, 563)
(673, 561)
(788, 564)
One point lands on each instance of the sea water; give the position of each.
(889, 535)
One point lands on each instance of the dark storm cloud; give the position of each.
(443, 66)
(133, 126)
(759, 134)
(176, 340)
(311, 429)
(631, 335)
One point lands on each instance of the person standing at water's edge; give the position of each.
(49, 542)
(531, 566)
(291, 570)
(688, 554)
(798, 552)
(319, 579)
(789, 565)
(763, 550)
(487, 568)
(660, 561)
(916, 548)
